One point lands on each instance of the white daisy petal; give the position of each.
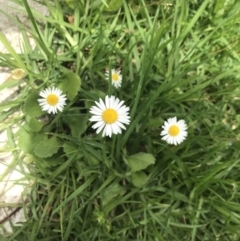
(123, 109)
(107, 102)
(108, 130)
(96, 125)
(119, 105)
(116, 101)
(52, 100)
(121, 125)
(116, 129)
(100, 128)
(96, 118)
(60, 108)
(100, 104)
(109, 116)
(163, 133)
(124, 121)
(104, 131)
(95, 110)
(174, 132)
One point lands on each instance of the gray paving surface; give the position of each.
(10, 192)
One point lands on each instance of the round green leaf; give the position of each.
(91, 160)
(155, 122)
(52, 161)
(25, 141)
(31, 106)
(139, 179)
(110, 193)
(76, 122)
(47, 147)
(140, 161)
(70, 84)
(35, 125)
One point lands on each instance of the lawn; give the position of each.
(128, 120)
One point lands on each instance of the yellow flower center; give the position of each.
(52, 99)
(109, 116)
(173, 130)
(115, 77)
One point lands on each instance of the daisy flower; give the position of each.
(174, 132)
(116, 77)
(52, 101)
(18, 74)
(109, 116)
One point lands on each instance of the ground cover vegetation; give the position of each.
(128, 117)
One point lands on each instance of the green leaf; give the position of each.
(28, 139)
(76, 122)
(140, 161)
(35, 125)
(31, 106)
(70, 84)
(113, 5)
(25, 141)
(71, 150)
(219, 6)
(70, 3)
(111, 193)
(139, 179)
(9, 84)
(96, 94)
(52, 161)
(91, 160)
(46, 148)
(155, 122)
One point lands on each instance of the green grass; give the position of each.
(178, 58)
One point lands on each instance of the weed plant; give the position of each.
(177, 59)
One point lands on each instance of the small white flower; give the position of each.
(110, 116)
(174, 132)
(52, 101)
(116, 77)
